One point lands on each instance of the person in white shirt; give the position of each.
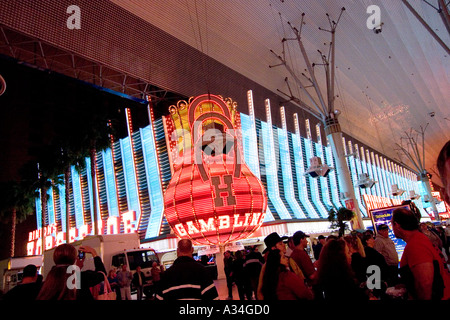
(384, 245)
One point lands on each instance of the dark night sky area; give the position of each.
(36, 105)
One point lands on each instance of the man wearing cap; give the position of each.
(301, 257)
(318, 247)
(274, 241)
(384, 245)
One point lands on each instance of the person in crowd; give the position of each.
(331, 237)
(274, 241)
(290, 246)
(156, 275)
(318, 247)
(279, 282)
(358, 262)
(434, 238)
(443, 166)
(384, 245)
(422, 267)
(238, 275)
(447, 236)
(186, 278)
(335, 276)
(138, 282)
(374, 258)
(252, 269)
(28, 289)
(55, 286)
(114, 282)
(301, 257)
(228, 269)
(124, 278)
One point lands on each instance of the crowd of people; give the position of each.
(361, 265)
(358, 266)
(60, 284)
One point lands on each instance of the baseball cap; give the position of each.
(299, 235)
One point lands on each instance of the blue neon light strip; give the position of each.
(38, 212)
(301, 179)
(110, 184)
(374, 172)
(62, 205)
(130, 176)
(381, 179)
(249, 144)
(154, 182)
(333, 178)
(313, 182)
(50, 207)
(288, 183)
(77, 198)
(271, 173)
(251, 154)
(90, 186)
(354, 175)
(325, 199)
(359, 170)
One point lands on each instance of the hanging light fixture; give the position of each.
(317, 169)
(365, 182)
(396, 191)
(413, 195)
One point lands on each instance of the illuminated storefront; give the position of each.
(133, 175)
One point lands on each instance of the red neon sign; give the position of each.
(54, 238)
(213, 197)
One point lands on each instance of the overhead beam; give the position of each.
(427, 27)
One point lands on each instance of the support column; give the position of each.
(334, 135)
(219, 264)
(426, 184)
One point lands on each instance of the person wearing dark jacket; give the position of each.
(186, 278)
(138, 282)
(28, 289)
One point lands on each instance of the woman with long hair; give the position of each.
(55, 285)
(279, 283)
(335, 276)
(358, 254)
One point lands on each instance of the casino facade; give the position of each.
(133, 175)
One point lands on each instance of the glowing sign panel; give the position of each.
(54, 238)
(213, 197)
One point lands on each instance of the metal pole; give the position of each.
(334, 135)
(433, 34)
(444, 14)
(426, 184)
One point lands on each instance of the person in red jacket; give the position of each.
(280, 283)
